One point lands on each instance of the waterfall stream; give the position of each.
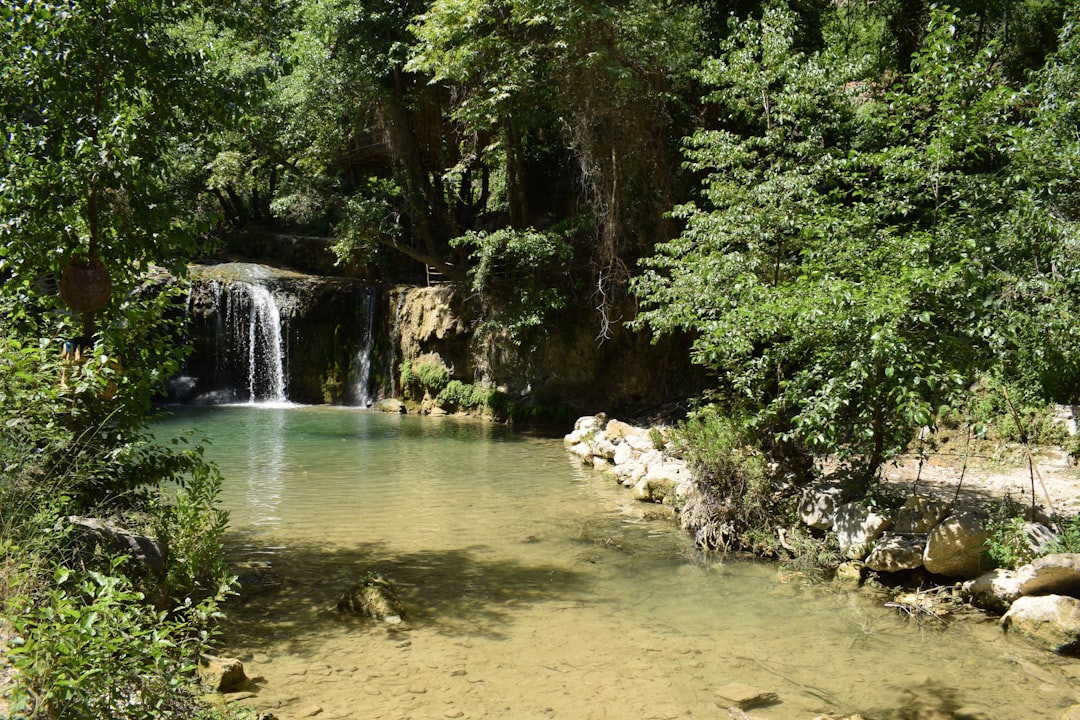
(361, 394)
(251, 343)
(267, 336)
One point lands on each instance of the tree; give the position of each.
(846, 270)
(98, 100)
(370, 134)
(589, 82)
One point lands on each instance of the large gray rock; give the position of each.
(857, 526)
(819, 503)
(893, 553)
(148, 554)
(955, 547)
(1057, 574)
(995, 590)
(1051, 621)
(920, 515)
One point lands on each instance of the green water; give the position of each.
(535, 589)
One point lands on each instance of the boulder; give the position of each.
(920, 515)
(623, 454)
(604, 448)
(389, 405)
(654, 488)
(955, 547)
(148, 554)
(995, 590)
(590, 423)
(857, 526)
(662, 480)
(630, 472)
(641, 443)
(617, 430)
(1051, 621)
(583, 451)
(222, 674)
(893, 553)
(818, 505)
(1057, 574)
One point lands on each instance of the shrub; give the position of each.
(192, 526)
(432, 376)
(87, 644)
(463, 395)
(90, 647)
(1013, 541)
(736, 493)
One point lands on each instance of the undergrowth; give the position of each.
(94, 634)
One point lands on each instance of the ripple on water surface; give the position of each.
(533, 591)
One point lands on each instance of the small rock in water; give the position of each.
(373, 597)
(743, 696)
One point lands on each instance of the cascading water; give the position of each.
(266, 335)
(251, 350)
(360, 392)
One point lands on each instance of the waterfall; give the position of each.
(360, 393)
(264, 335)
(251, 351)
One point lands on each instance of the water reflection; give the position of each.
(265, 468)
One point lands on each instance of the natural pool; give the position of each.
(534, 589)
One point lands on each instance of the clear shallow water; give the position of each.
(534, 589)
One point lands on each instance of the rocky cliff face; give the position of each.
(345, 341)
(568, 371)
(261, 334)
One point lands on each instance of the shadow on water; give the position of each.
(456, 592)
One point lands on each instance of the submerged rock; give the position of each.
(374, 597)
(742, 696)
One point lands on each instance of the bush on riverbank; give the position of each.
(92, 632)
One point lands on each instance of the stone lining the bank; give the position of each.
(925, 533)
(634, 455)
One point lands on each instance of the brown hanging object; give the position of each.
(85, 285)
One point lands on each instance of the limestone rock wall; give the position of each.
(345, 341)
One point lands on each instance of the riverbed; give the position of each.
(536, 589)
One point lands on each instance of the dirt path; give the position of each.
(991, 473)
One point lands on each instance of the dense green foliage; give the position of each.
(855, 211)
(881, 246)
(103, 105)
